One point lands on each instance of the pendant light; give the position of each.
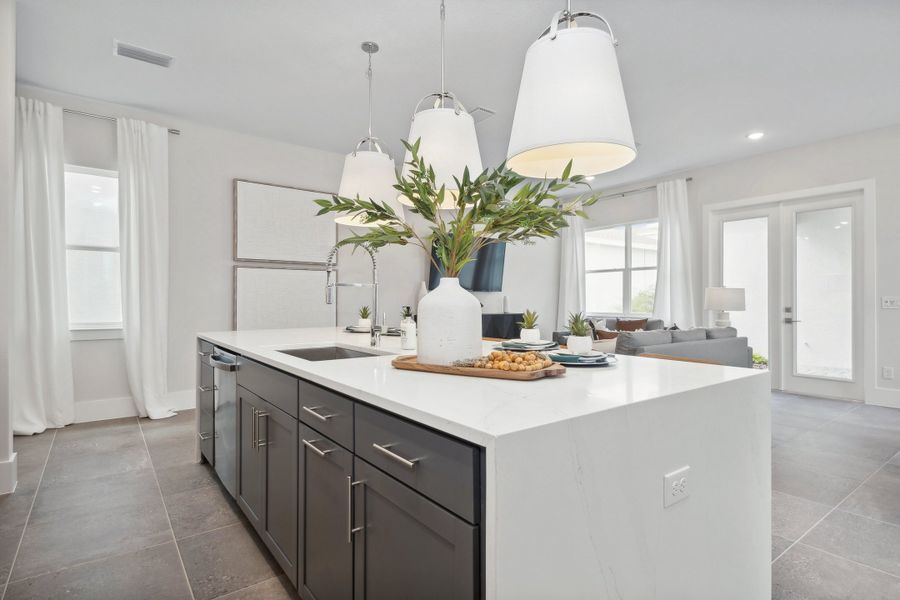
(449, 143)
(369, 173)
(571, 103)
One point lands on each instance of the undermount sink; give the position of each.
(327, 353)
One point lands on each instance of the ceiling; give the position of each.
(698, 74)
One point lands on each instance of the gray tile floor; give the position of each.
(118, 509)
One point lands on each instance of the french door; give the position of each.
(800, 263)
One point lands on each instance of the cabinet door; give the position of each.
(251, 480)
(325, 554)
(277, 433)
(409, 548)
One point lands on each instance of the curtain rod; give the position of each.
(106, 118)
(635, 191)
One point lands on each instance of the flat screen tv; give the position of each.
(484, 274)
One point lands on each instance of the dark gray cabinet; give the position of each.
(206, 402)
(325, 511)
(267, 490)
(251, 462)
(409, 547)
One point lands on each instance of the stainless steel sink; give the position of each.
(327, 353)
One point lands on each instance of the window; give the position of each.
(92, 249)
(620, 269)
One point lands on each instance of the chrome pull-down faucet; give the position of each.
(375, 331)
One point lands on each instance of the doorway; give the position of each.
(801, 265)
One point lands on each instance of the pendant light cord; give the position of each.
(370, 77)
(443, 19)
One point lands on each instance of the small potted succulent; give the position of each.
(530, 332)
(580, 340)
(364, 317)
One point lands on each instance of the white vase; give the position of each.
(532, 335)
(423, 291)
(449, 324)
(364, 322)
(579, 344)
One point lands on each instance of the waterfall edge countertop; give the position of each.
(475, 409)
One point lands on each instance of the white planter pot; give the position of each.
(449, 324)
(530, 335)
(364, 322)
(580, 344)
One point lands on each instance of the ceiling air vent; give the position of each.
(142, 54)
(480, 113)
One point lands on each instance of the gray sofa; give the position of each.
(719, 344)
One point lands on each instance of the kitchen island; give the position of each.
(571, 487)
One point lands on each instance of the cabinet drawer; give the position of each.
(327, 412)
(272, 386)
(442, 468)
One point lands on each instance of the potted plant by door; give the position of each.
(580, 340)
(496, 206)
(364, 317)
(529, 332)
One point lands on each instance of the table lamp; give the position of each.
(724, 299)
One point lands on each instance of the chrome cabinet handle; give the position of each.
(312, 410)
(790, 321)
(207, 388)
(204, 436)
(406, 462)
(311, 445)
(350, 528)
(260, 442)
(253, 424)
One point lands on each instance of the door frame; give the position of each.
(872, 393)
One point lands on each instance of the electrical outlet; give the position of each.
(890, 302)
(887, 372)
(676, 486)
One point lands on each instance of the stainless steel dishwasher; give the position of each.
(225, 415)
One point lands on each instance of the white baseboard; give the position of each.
(880, 396)
(8, 470)
(103, 409)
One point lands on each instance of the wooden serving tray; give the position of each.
(410, 363)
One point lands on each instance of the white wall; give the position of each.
(203, 161)
(7, 137)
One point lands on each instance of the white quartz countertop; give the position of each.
(476, 409)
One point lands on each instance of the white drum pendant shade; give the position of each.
(369, 175)
(571, 105)
(449, 145)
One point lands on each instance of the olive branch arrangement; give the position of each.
(496, 206)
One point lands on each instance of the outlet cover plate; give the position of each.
(676, 486)
(890, 302)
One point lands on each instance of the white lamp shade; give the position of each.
(721, 298)
(369, 175)
(571, 106)
(449, 144)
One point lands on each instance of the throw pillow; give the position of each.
(674, 327)
(634, 342)
(689, 335)
(715, 333)
(630, 324)
(605, 334)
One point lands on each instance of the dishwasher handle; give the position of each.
(223, 365)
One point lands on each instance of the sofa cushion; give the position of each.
(717, 333)
(631, 342)
(688, 335)
(654, 324)
(631, 324)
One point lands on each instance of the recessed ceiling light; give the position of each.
(837, 226)
(845, 222)
(755, 135)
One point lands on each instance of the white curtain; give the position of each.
(143, 150)
(40, 357)
(675, 302)
(571, 270)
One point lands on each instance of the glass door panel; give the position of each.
(745, 260)
(823, 293)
